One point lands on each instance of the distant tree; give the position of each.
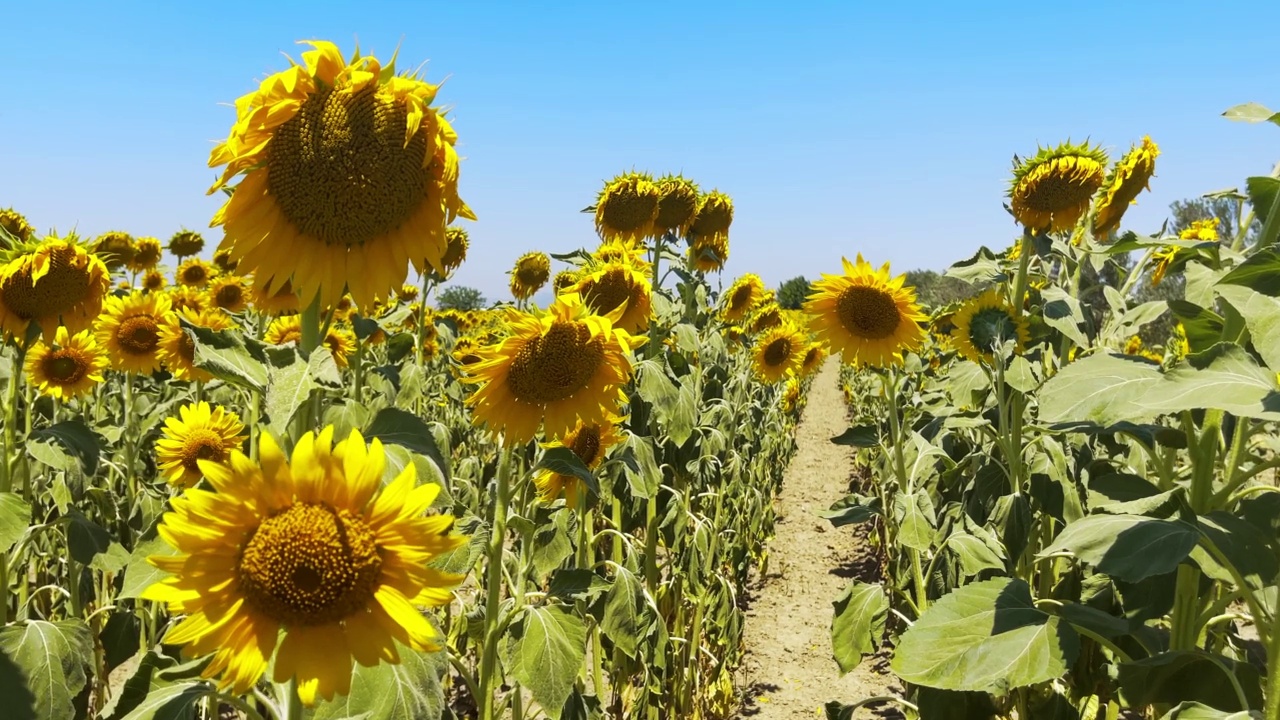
(460, 297)
(935, 290)
(792, 293)
(1226, 210)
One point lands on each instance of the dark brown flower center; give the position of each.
(556, 365)
(138, 335)
(868, 312)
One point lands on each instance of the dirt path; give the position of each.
(789, 670)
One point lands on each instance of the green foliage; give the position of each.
(792, 293)
(460, 297)
(935, 290)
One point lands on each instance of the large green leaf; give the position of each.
(986, 636)
(229, 355)
(623, 611)
(565, 461)
(1261, 315)
(15, 516)
(1264, 195)
(171, 701)
(862, 436)
(1062, 312)
(289, 385)
(409, 690)
(545, 651)
(1129, 547)
(43, 667)
(1251, 112)
(974, 555)
(140, 574)
(853, 509)
(1260, 272)
(858, 626)
(1225, 377)
(398, 427)
(551, 545)
(1102, 389)
(1200, 711)
(1188, 676)
(916, 519)
(75, 437)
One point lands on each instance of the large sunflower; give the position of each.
(560, 366)
(678, 205)
(865, 315)
(741, 297)
(627, 207)
(146, 254)
(55, 282)
(778, 353)
(984, 323)
(349, 176)
(1050, 191)
(618, 286)
(194, 272)
(68, 368)
(15, 224)
(531, 272)
(1127, 179)
(200, 432)
(129, 328)
(177, 349)
(590, 441)
(229, 292)
(313, 546)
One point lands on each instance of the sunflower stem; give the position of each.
(490, 679)
(11, 421)
(130, 439)
(292, 702)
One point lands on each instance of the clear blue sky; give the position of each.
(837, 127)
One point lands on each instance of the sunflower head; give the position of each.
(275, 300)
(743, 295)
(154, 281)
(15, 225)
(177, 350)
(867, 316)
(68, 368)
(767, 315)
(343, 309)
(678, 203)
(186, 243)
(530, 273)
(590, 441)
(182, 297)
(814, 355)
(715, 215)
(229, 292)
(224, 262)
(194, 272)
(464, 351)
(627, 207)
(778, 353)
(791, 396)
(55, 282)
(984, 323)
(1051, 191)
(146, 254)
(616, 290)
(407, 293)
(115, 248)
(200, 432)
(345, 163)
(1130, 176)
(1203, 230)
(564, 280)
(708, 253)
(129, 329)
(457, 242)
(341, 342)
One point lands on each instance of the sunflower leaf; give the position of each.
(387, 691)
(43, 668)
(396, 426)
(15, 516)
(858, 626)
(565, 461)
(545, 651)
(229, 355)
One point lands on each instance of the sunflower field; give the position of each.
(278, 484)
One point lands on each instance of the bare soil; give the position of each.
(789, 670)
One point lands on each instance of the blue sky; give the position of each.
(837, 127)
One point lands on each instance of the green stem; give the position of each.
(1272, 711)
(497, 547)
(130, 438)
(11, 421)
(1184, 628)
(292, 705)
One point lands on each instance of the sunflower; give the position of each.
(229, 292)
(182, 298)
(1127, 179)
(715, 215)
(407, 293)
(115, 248)
(678, 204)
(16, 225)
(146, 254)
(778, 353)
(708, 253)
(984, 323)
(741, 297)
(342, 311)
(562, 365)
(791, 396)
(618, 287)
(1051, 191)
(865, 315)
(564, 280)
(590, 441)
(814, 356)
(457, 241)
(530, 273)
(68, 368)
(194, 272)
(129, 328)
(55, 282)
(346, 165)
(1165, 258)
(198, 433)
(464, 351)
(623, 251)
(627, 207)
(186, 243)
(153, 281)
(285, 329)
(224, 262)
(177, 349)
(313, 546)
(1202, 230)
(275, 301)
(767, 315)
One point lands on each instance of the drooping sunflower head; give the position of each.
(347, 164)
(1203, 230)
(1130, 176)
(129, 329)
(554, 368)
(565, 280)
(146, 254)
(864, 314)
(308, 559)
(778, 353)
(457, 242)
(984, 323)
(464, 351)
(678, 202)
(530, 273)
(627, 207)
(224, 262)
(1051, 191)
(275, 300)
(407, 293)
(814, 355)
(229, 292)
(708, 253)
(67, 368)
(55, 282)
(715, 215)
(200, 432)
(590, 441)
(178, 351)
(15, 225)
(154, 281)
(767, 315)
(741, 297)
(182, 297)
(186, 243)
(115, 248)
(616, 290)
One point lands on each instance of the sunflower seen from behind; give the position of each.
(865, 315)
(984, 323)
(708, 253)
(590, 441)
(51, 283)
(129, 329)
(200, 432)
(555, 368)
(177, 350)
(224, 262)
(15, 225)
(457, 241)
(1052, 190)
(345, 165)
(1131, 175)
(115, 248)
(531, 272)
(305, 565)
(711, 224)
(678, 203)
(778, 353)
(627, 207)
(69, 367)
(186, 243)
